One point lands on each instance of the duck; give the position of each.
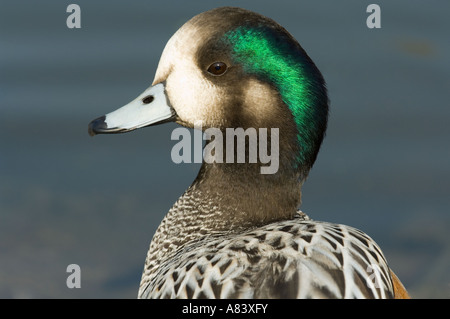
(236, 232)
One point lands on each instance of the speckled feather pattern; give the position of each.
(296, 258)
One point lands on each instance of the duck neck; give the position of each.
(224, 199)
(243, 197)
(227, 198)
(230, 196)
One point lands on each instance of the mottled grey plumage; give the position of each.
(296, 258)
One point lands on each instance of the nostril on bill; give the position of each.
(148, 99)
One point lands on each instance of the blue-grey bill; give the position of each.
(150, 108)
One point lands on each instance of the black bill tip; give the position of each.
(97, 126)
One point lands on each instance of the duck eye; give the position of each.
(217, 68)
(148, 99)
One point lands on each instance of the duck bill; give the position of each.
(150, 108)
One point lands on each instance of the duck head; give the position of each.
(231, 68)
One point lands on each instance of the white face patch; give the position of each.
(191, 94)
(194, 98)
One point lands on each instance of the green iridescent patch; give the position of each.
(275, 58)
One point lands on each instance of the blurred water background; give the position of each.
(68, 198)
